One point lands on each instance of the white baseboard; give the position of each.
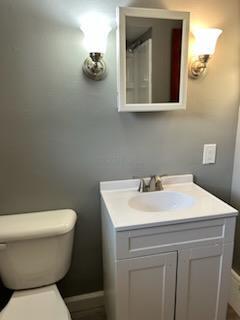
(234, 300)
(85, 301)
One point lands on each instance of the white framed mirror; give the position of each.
(152, 54)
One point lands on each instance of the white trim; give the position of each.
(234, 300)
(85, 301)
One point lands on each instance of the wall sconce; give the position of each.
(96, 29)
(204, 48)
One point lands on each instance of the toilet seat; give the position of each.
(38, 304)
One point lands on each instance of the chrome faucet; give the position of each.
(155, 184)
(143, 186)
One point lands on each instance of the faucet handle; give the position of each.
(142, 185)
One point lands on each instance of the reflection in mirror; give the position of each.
(153, 60)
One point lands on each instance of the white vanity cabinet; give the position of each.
(177, 271)
(146, 287)
(203, 276)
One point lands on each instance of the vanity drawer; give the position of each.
(153, 240)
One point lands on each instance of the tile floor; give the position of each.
(98, 314)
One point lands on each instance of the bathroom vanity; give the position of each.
(167, 254)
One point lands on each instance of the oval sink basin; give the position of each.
(161, 201)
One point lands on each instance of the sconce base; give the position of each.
(198, 66)
(94, 66)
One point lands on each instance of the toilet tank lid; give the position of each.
(34, 225)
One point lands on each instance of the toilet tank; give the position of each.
(35, 248)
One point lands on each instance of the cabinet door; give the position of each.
(203, 279)
(146, 287)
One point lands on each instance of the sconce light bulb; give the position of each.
(96, 28)
(206, 40)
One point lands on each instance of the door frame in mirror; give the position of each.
(122, 13)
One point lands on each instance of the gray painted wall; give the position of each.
(60, 134)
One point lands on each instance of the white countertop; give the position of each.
(116, 195)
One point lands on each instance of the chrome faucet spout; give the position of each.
(155, 184)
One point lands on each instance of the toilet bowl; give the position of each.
(35, 253)
(37, 304)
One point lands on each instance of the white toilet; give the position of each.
(35, 252)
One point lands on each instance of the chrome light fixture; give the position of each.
(96, 29)
(204, 48)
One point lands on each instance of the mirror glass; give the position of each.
(153, 60)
